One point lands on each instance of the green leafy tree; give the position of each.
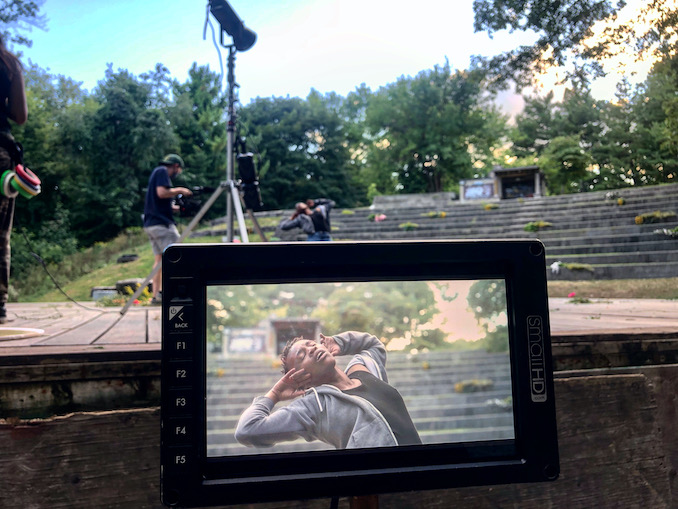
(431, 131)
(19, 16)
(353, 113)
(565, 164)
(487, 300)
(394, 311)
(615, 156)
(301, 147)
(534, 126)
(233, 306)
(654, 108)
(580, 114)
(564, 35)
(128, 138)
(198, 116)
(51, 99)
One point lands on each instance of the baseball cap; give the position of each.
(173, 159)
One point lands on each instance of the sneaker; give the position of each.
(3, 315)
(156, 301)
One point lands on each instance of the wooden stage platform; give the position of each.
(63, 328)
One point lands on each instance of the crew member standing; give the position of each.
(13, 107)
(159, 222)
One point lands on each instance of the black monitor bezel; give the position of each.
(201, 480)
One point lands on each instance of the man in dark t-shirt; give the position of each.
(159, 224)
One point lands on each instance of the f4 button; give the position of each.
(180, 317)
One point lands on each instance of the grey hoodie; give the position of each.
(324, 413)
(302, 221)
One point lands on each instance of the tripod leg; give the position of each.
(184, 234)
(187, 231)
(238, 211)
(256, 225)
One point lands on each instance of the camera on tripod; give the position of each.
(248, 186)
(249, 182)
(189, 206)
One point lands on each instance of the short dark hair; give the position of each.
(286, 351)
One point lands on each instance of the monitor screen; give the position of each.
(444, 345)
(305, 370)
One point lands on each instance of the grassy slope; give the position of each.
(80, 288)
(108, 275)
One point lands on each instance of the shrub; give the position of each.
(578, 266)
(673, 232)
(535, 226)
(655, 217)
(435, 214)
(372, 192)
(144, 298)
(61, 258)
(408, 226)
(474, 385)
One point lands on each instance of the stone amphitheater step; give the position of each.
(564, 220)
(500, 389)
(396, 360)
(590, 228)
(427, 437)
(446, 399)
(222, 416)
(612, 247)
(439, 413)
(431, 427)
(613, 258)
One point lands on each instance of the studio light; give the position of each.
(243, 37)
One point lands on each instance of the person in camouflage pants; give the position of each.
(12, 107)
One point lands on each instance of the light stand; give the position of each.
(243, 39)
(230, 137)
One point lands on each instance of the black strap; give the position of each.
(15, 149)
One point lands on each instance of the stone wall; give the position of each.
(617, 438)
(617, 429)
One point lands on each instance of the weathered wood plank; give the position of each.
(87, 332)
(130, 329)
(611, 447)
(154, 325)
